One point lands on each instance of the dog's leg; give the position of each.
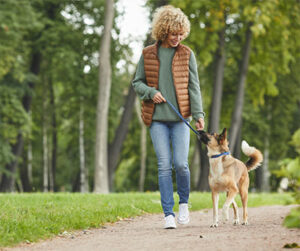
(215, 199)
(244, 197)
(233, 190)
(235, 212)
(243, 187)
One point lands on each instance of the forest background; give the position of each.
(69, 118)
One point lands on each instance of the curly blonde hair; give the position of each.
(168, 19)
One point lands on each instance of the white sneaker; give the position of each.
(183, 217)
(170, 222)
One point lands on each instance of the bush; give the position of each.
(290, 168)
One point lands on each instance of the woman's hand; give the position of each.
(158, 98)
(200, 124)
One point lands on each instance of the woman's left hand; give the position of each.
(200, 124)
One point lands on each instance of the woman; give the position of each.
(168, 70)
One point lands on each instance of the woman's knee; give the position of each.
(182, 168)
(164, 167)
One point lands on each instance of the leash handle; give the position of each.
(182, 118)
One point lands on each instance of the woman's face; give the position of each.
(173, 39)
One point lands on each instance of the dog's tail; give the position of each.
(255, 155)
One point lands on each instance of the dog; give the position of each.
(229, 174)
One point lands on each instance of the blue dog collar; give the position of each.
(219, 155)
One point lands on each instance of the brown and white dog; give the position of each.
(229, 174)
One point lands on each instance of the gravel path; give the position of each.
(264, 232)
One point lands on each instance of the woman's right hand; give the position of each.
(158, 98)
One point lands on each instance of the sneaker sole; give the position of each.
(183, 222)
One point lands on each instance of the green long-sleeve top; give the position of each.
(163, 112)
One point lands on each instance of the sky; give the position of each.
(134, 25)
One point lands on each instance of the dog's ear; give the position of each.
(223, 136)
(224, 133)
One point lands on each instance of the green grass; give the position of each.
(30, 217)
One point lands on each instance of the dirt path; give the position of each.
(264, 232)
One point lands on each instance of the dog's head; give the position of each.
(215, 142)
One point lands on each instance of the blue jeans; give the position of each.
(164, 135)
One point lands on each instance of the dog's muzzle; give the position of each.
(203, 137)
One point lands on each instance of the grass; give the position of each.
(31, 217)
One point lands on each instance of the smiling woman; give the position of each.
(167, 70)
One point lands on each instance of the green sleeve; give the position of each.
(143, 91)
(194, 90)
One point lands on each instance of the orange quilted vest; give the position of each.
(180, 71)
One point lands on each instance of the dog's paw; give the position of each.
(214, 225)
(225, 216)
(225, 219)
(236, 222)
(245, 223)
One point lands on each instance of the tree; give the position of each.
(101, 183)
(116, 146)
(143, 143)
(84, 185)
(239, 101)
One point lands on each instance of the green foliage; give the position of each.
(293, 219)
(273, 46)
(296, 141)
(67, 36)
(13, 116)
(13, 120)
(31, 217)
(17, 19)
(290, 168)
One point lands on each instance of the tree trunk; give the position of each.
(262, 174)
(26, 166)
(25, 182)
(50, 173)
(265, 166)
(9, 177)
(45, 151)
(45, 161)
(215, 111)
(29, 155)
(52, 170)
(76, 182)
(143, 157)
(116, 146)
(29, 162)
(143, 142)
(265, 186)
(239, 101)
(237, 149)
(101, 183)
(203, 180)
(27, 175)
(84, 186)
(195, 167)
